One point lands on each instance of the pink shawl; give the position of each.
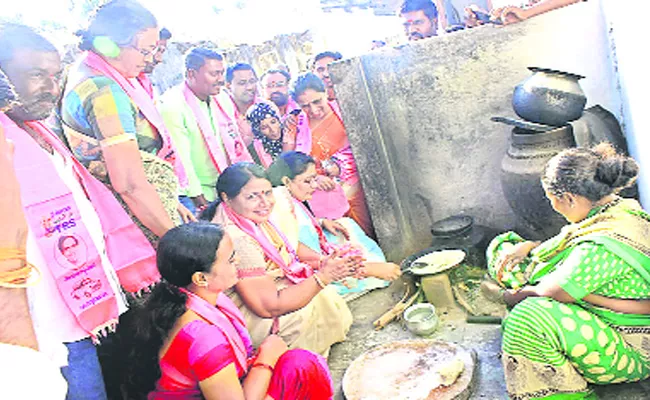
(53, 215)
(303, 131)
(136, 268)
(227, 317)
(295, 271)
(136, 91)
(230, 137)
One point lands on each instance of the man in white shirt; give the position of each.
(33, 65)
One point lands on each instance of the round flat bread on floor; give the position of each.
(411, 370)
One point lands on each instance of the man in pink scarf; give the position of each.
(241, 85)
(206, 137)
(65, 328)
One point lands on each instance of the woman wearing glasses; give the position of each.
(112, 124)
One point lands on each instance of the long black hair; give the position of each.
(289, 164)
(231, 181)
(182, 251)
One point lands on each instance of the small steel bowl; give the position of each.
(421, 319)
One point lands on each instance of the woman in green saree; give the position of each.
(582, 298)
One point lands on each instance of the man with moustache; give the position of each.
(241, 93)
(204, 134)
(20, 362)
(420, 19)
(321, 69)
(275, 85)
(48, 176)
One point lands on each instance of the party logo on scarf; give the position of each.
(58, 221)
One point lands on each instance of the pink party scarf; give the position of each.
(345, 249)
(303, 131)
(136, 91)
(128, 249)
(232, 142)
(56, 222)
(325, 246)
(295, 271)
(227, 317)
(265, 158)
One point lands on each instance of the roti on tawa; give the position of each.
(410, 370)
(437, 261)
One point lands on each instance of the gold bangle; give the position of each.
(319, 281)
(18, 278)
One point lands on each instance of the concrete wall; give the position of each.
(627, 41)
(418, 116)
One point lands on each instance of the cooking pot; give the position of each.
(549, 97)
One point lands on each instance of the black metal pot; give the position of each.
(549, 97)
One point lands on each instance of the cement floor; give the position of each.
(484, 339)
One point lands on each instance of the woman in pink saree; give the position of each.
(190, 340)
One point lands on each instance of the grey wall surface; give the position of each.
(418, 116)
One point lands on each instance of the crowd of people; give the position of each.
(203, 243)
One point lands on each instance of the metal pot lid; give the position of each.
(452, 226)
(555, 71)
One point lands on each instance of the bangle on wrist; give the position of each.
(25, 276)
(263, 365)
(319, 281)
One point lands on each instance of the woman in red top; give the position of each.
(191, 342)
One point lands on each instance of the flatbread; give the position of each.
(410, 370)
(437, 261)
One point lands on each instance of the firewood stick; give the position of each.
(395, 312)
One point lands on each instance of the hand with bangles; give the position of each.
(331, 168)
(271, 349)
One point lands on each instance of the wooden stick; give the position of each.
(396, 311)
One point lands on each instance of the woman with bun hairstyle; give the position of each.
(582, 298)
(112, 124)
